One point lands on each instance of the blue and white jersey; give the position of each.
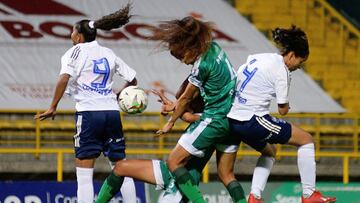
(262, 78)
(92, 68)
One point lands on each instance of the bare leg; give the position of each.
(140, 169)
(225, 168)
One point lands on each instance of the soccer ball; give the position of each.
(133, 100)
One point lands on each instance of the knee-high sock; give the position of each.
(307, 168)
(261, 174)
(236, 192)
(127, 189)
(110, 187)
(85, 188)
(187, 185)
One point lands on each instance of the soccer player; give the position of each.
(189, 40)
(87, 71)
(263, 77)
(212, 76)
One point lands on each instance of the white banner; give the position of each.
(34, 37)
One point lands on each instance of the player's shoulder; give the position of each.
(271, 60)
(74, 51)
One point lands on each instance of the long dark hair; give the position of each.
(108, 22)
(187, 38)
(292, 39)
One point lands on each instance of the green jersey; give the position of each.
(215, 77)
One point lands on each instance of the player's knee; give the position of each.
(120, 168)
(269, 150)
(226, 177)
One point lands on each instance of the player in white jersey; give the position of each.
(261, 78)
(87, 71)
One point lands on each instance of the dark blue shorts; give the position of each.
(99, 131)
(261, 130)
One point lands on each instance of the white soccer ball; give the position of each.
(133, 100)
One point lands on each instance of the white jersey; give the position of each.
(92, 68)
(262, 78)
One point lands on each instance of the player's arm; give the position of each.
(282, 86)
(59, 92)
(182, 103)
(167, 104)
(190, 117)
(127, 84)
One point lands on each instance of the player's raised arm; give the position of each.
(59, 92)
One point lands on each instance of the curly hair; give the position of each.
(186, 39)
(292, 39)
(114, 20)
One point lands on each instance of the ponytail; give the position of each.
(115, 20)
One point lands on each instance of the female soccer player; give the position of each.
(190, 41)
(88, 69)
(261, 78)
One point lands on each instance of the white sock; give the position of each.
(307, 168)
(85, 188)
(127, 189)
(261, 174)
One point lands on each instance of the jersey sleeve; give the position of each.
(282, 84)
(72, 61)
(199, 73)
(124, 70)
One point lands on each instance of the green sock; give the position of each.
(236, 192)
(109, 188)
(187, 185)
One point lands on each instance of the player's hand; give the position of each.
(47, 114)
(168, 105)
(167, 127)
(167, 108)
(163, 99)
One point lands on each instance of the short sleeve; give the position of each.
(71, 61)
(282, 85)
(124, 70)
(199, 73)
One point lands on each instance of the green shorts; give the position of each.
(208, 134)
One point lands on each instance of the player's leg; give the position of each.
(165, 181)
(114, 149)
(225, 167)
(186, 183)
(226, 151)
(307, 165)
(306, 159)
(256, 133)
(262, 170)
(269, 130)
(87, 149)
(84, 178)
(198, 139)
(127, 189)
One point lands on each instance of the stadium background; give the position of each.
(324, 96)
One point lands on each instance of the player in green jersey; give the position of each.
(213, 77)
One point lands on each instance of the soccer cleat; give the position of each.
(253, 199)
(317, 197)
